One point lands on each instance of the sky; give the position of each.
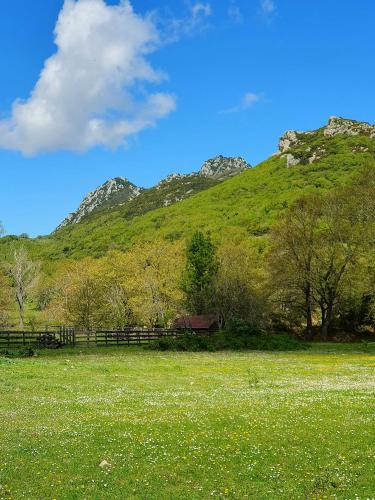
(94, 89)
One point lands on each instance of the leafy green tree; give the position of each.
(238, 293)
(322, 243)
(200, 273)
(294, 243)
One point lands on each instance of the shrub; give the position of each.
(229, 340)
(239, 327)
(24, 352)
(188, 343)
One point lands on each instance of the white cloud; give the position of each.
(194, 21)
(248, 100)
(268, 7)
(90, 92)
(235, 13)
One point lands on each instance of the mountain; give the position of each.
(111, 193)
(242, 207)
(174, 188)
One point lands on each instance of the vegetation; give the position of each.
(284, 249)
(322, 248)
(228, 340)
(113, 423)
(200, 273)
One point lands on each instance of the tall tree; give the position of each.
(200, 273)
(238, 293)
(23, 274)
(294, 243)
(81, 294)
(317, 247)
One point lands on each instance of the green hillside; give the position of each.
(245, 206)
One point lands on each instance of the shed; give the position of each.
(202, 323)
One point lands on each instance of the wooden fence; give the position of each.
(75, 338)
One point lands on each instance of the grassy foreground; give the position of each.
(180, 425)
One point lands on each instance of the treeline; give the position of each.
(316, 277)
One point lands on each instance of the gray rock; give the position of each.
(337, 125)
(288, 140)
(291, 161)
(115, 189)
(222, 166)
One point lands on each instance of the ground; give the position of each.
(167, 425)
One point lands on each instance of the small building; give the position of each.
(205, 323)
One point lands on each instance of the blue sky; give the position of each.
(187, 82)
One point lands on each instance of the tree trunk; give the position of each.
(324, 329)
(326, 321)
(308, 309)
(21, 311)
(22, 322)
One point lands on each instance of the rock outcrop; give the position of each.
(112, 192)
(297, 147)
(174, 188)
(337, 125)
(222, 166)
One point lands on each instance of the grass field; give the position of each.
(235, 425)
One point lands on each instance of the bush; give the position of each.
(188, 342)
(229, 340)
(239, 327)
(24, 352)
(259, 342)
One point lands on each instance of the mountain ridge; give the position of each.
(119, 190)
(242, 208)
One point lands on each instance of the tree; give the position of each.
(347, 232)
(23, 274)
(153, 281)
(81, 294)
(238, 292)
(294, 242)
(318, 246)
(200, 273)
(120, 313)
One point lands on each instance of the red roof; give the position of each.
(203, 322)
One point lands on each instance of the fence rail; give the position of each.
(75, 338)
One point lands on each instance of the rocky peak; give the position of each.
(112, 192)
(222, 166)
(174, 188)
(337, 125)
(295, 146)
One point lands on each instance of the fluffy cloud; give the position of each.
(92, 90)
(195, 21)
(248, 100)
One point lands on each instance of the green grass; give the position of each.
(182, 425)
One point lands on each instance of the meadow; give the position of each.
(121, 423)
